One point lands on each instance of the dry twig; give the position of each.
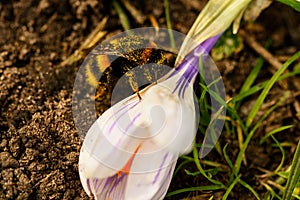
(89, 43)
(250, 40)
(135, 13)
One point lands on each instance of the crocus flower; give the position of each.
(131, 150)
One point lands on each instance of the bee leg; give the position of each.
(133, 84)
(100, 91)
(138, 94)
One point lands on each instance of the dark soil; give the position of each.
(39, 144)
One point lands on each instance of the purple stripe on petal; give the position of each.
(121, 115)
(190, 61)
(210, 42)
(190, 64)
(94, 185)
(108, 182)
(167, 179)
(97, 184)
(132, 121)
(117, 190)
(88, 185)
(122, 108)
(112, 187)
(118, 111)
(116, 182)
(185, 80)
(127, 128)
(160, 168)
(203, 49)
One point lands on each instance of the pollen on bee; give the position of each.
(92, 80)
(103, 62)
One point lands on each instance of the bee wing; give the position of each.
(107, 49)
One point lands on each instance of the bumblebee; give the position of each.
(133, 61)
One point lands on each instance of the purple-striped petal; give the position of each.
(152, 184)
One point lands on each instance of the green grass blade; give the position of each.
(227, 157)
(197, 162)
(192, 173)
(181, 165)
(231, 187)
(283, 155)
(252, 76)
(169, 24)
(254, 72)
(192, 189)
(246, 185)
(235, 115)
(122, 15)
(279, 129)
(294, 175)
(292, 3)
(260, 86)
(242, 151)
(268, 87)
(271, 192)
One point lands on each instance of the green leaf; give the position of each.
(294, 175)
(292, 3)
(279, 129)
(268, 87)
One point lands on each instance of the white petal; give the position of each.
(151, 184)
(173, 119)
